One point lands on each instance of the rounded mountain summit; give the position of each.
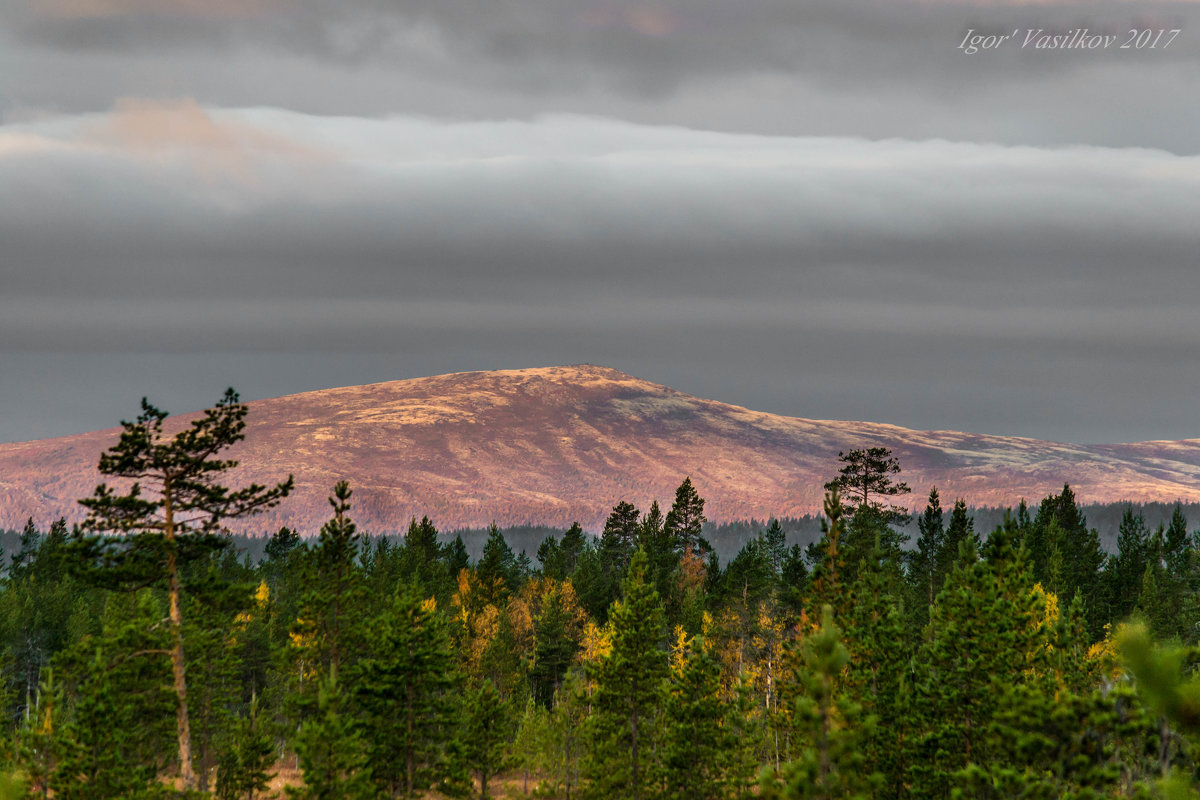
(554, 445)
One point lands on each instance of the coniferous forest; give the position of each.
(145, 656)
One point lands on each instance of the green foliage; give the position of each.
(829, 564)
(497, 570)
(643, 669)
(1125, 570)
(830, 728)
(405, 689)
(114, 738)
(555, 647)
(686, 519)
(925, 575)
(331, 750)
(174, 522)
(488, 731)
(701, 746)
(865, 480)
(244, 768)
(626, 704)
(981, 640)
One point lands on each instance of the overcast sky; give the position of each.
(823, 209)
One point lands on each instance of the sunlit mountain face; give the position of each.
(555, 445)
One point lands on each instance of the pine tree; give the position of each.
(534, 746)
(865, 480)
(175, 520)
(628, 694)
(1169, 687)
(568, 723)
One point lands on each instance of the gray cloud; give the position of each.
(876, 68)
(1036, 291)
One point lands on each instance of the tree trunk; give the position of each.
(637, 788)
(410, 756)
(187, 774)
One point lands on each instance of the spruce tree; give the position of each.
(880, 654)
(982, 638)
(1123, 572)
(700, 745)
(421, 559)
(405, 688)
(923, 572)
(497, 568)
(618, 540)
(556, 643)
(1072, 554)
(627, 700)
(112, 730)
(244, 769)
(331, 750)
(961, 528)
(776, 543)
(330, 608)
(828, 586)
(829, 760)
(487, 732)
(685, 520)
(98, 747)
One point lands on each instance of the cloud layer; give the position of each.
(875, 68)
(1037, 290)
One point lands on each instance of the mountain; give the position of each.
(554, 445)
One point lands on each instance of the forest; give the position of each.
(144, 656)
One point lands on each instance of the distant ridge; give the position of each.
(558, 444)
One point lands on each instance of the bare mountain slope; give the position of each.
(559, 444)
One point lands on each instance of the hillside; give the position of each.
(559, 444)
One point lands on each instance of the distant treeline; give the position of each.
(728, 538)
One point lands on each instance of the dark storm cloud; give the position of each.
(998, 280)
(877, 68)
(643, 45)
